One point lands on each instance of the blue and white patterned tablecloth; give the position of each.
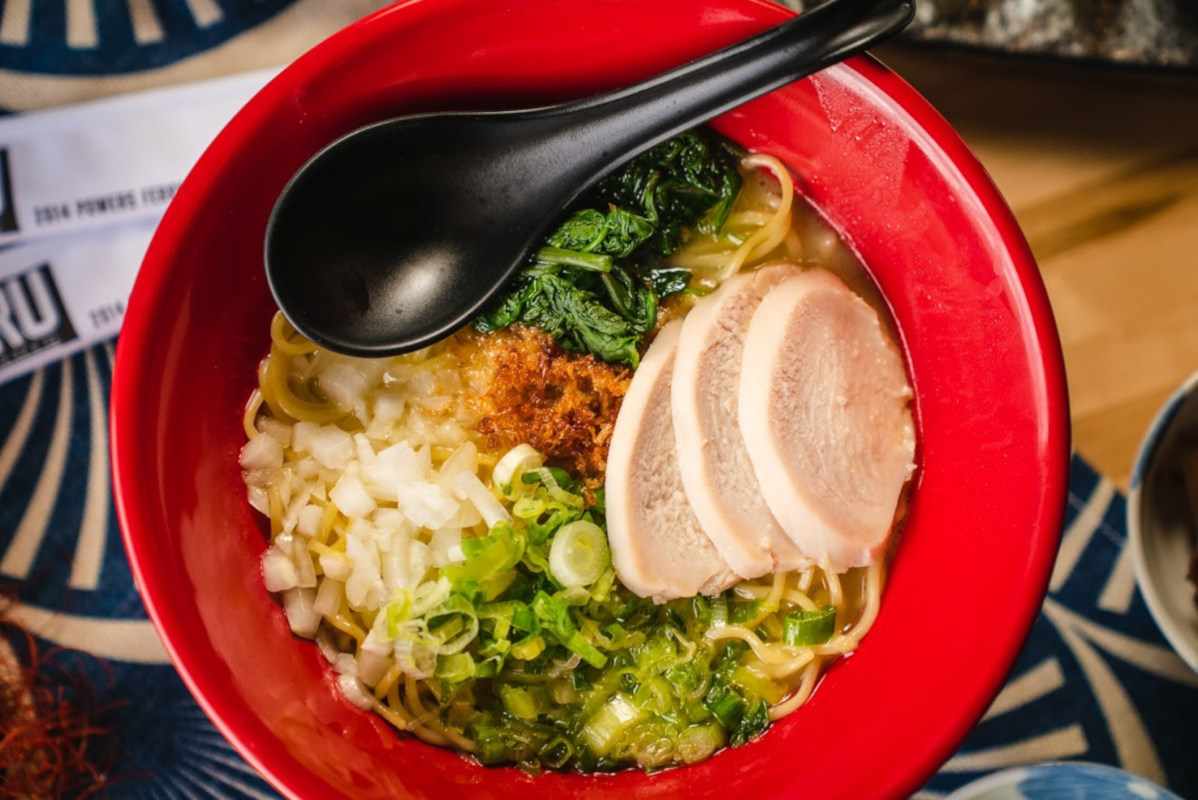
(1095, 682)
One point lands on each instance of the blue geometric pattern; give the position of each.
(85, 37)
(1095, 681)
(60, 549)
(1063, 780)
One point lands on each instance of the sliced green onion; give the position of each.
(806, 628)
(755, 720)
(725, 705)
(742, 611)
(524, 702)
(455, 667)
(397, 611)
(528, 648)
(579, 554)
(524, 619)
(528, 508)
(487, 556)
(454, 624)
(512, 465)
(698, 742)
(548, 477)
(576, 643)
(603, 731)
(655, 695)
(557, 752)
(754, 684)
(719, 612)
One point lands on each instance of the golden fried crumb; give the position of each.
(563, 404)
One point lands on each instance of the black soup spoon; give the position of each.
(398, 233)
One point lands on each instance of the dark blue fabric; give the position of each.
(45, 48)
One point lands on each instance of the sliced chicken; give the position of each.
(715, 468)
(825, 414)
(658, 547)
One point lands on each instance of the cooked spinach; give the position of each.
(596, 283)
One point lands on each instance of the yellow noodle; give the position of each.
(393, 714)
(784, 669)
(275, 503)
(805, 580)
(754, 218)
(801, 694)
(287, 339)
(771, 234)
(768, 654)
(835, 595)
(874, 578)
(389, 680)
(252, 407)
(347, 626)
(276, 389)
(420, 716)
(801, 599)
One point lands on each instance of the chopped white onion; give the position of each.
(307, 522)
(328, 444)
(469, 486)
(418, 561)
(387, 520)
(276, 429)
(388, 408)
(355, 691)
(302, 557)
(278, 570)
(297, 504)
(364, 589)
(328, 597)
(336, 565)
(444, 541)
(463, 459)
(343, 383)
(422, 383)
(258, 499)
(351, 496)
(345, 664)
(373, 666)
(426, 504)
(393, 466)
(297, 603)
(262, 452)
(326, 645)
(364, 450)
(449, 432)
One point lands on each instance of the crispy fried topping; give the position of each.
(563, 404)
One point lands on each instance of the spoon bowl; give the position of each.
(399, 233)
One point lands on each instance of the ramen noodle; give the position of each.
(436, 524)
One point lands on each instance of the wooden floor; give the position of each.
(1100, 166)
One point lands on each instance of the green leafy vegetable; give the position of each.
(596, 284)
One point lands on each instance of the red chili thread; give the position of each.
(51, 745)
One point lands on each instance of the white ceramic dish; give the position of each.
(1161, 524)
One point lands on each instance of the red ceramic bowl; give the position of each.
(887, 171)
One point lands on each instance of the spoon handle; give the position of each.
(625, 122)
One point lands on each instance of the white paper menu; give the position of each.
(81, 189)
